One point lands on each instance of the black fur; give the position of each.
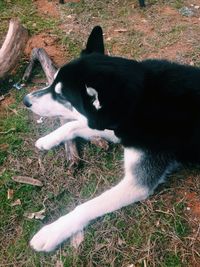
(142, 3)
(153, 105)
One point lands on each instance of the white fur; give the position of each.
(131, 155)
(70, 131)
(96, 104)
(126, 192)
(92, 92)
(58, 88)
(55, 75)
(47, 107)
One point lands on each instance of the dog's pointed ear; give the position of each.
(95, 42)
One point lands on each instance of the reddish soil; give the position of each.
(4, 103)
(193, 203)
(46, 7)
(51, 46)
(45, 40)
(191, 197)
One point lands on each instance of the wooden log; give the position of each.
(12, 47)
(39, 54)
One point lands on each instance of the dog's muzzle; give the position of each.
(27, 101)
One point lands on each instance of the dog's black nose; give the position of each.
(27, 101)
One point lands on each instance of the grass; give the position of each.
(27, 13)
(13, 127)
(177, 4)
(73, 46)
(158, 232)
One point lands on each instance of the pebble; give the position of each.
(186, 11)
(40, 120)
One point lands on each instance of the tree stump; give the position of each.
(12, 47)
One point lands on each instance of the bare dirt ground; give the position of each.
(171, 217)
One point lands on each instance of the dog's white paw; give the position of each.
(50, 236)
(46, 239)
(45, 143)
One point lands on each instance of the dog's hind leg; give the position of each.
(132, 188)
(70, 131)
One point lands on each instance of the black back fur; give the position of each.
(152, 104)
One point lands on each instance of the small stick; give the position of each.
(70, 148)
(27, 180)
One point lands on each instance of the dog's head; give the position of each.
(92, 85)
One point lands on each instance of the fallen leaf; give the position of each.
(10, 193)
(29, 215)
(27, 180)
(120, 242)
(59, 263)
(29, 161)
(17, 202)
(121, 30)
(100, 142)
(38, 215)
(4, 147)
(2, 97)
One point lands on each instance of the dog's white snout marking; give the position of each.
(58, 88)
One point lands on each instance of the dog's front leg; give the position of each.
(129, 190)
(62, 134)
(143, 172)
(70, 131)
(50, 236)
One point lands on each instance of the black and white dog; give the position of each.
(151, 107)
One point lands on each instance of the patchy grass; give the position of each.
(162, 231)
(27, 13)
(13, 126)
